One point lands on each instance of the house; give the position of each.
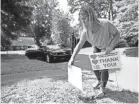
(22, 43)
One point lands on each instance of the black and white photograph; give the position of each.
(69, 51)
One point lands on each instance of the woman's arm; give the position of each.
(115, 40)
(116, 35)
(78, 47)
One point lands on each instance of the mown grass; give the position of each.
(55, 89)
(46, 90)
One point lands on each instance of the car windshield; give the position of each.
(62, 45)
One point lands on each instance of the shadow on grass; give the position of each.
(122, 96)
(10, 57)
(117, 96)
(60, 60)
(132, 52)
(85, 77)
(87, 99)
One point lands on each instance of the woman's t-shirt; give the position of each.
(103, 37)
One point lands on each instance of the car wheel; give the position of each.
(68, 58)
(48, 58)
(29, 57)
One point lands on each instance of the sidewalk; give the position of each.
(22, 52)
(127, 78)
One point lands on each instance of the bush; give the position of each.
(127, 22)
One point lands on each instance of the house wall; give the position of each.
(18, 48)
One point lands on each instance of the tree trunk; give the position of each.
(110, 10)
(73, 42)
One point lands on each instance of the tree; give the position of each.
(60, 27)
(123, 13)
(30, 16)
(41, 18)
(103, 8)
(128, 22)
(14, 17)
(110, 10)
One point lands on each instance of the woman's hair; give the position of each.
(87, 9)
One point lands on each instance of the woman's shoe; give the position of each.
(97, 86)
(100, 95)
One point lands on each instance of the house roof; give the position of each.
(23, 41)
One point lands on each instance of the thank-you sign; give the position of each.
(101, 61)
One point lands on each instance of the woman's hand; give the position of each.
(71, 62)
(108, 50)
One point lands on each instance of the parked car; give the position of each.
(132, 40)
(121, 44)
(50, 52)
(34, 52)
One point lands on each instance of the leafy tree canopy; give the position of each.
(14, 17)
(61, 28)
(29, 16)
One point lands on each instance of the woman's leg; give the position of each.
(104, 77)
(97, 72)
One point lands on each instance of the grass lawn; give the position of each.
(35, 81)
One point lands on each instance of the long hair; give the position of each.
(89, 11)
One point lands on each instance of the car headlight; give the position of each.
(69, 52)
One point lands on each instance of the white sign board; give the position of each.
(101, 61)
(75, 76)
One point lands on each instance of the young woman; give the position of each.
(102, 35)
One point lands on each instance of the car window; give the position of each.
(30, 47)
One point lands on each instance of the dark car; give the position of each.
(50, 52)
(132, 40)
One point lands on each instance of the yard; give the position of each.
(35, 81)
